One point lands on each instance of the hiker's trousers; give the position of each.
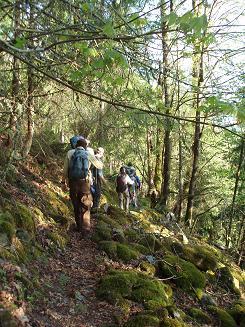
(124, 199)
(82, 202)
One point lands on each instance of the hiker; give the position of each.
(123, 182)
(132, 189)
(97, 175)
(77, 176)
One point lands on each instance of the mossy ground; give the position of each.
(184, 273)
(224, 318)
(132, 285)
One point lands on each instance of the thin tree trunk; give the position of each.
(238, 172)
(197, 72)
(166, 100)
(149, 161)
(100, 124)
(158, 161)
(30, 91)
(15, 76)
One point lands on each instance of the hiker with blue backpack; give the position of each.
(123, 182)
(78, 176)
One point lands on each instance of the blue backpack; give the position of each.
(79, 165)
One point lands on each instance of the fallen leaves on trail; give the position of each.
(68, 281)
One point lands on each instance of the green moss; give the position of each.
(8, 229)
(137, 287)
(126, 253)
(118, 251)
(226, 279)
(123, 310)
(148, 268)
(109, 221)
(131, 235)
(54, 204)
(170, 322)
(6, 254)
(58, 239)
(151, 291)
(140, 248)
(21, 252)
(142, 320)
(201, 256)
(110, 247)
(7, 216)
(119, 215)
(151, 242)
(199, 315)
(187, 275)
(102, 232)
(6, 319)
(225, 319)
(237, 311)
(116, 285)
(24, 218)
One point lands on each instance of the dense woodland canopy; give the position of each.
(158, 83)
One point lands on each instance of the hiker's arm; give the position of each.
(95, 161)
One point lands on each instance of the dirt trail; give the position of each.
(69, 280)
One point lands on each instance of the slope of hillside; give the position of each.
(133, 272)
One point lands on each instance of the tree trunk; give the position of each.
(158, 161)
(149, 161)
(238, 172)
(166, 100)
(15, 76)
(30, 91)
(197, 72)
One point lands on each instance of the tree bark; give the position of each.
(197, 72)
(150, 170)
(30, 90)
(238, 172)
(15, 75)
(166, 100)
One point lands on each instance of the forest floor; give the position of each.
(68, 283)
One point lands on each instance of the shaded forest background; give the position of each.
(158, 83)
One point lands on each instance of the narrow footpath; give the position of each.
(68, 283)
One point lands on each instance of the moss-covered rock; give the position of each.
(201, 256)
(148, 268)
(132, 285)
(226, 279)
(142, 320)
(119, 251)
(7, 225)
(8, 229)
(199, 315)
(153, 293)
(117, 285)
(224, 318)
(237, 311)
(171, 322)
(187, 275)
(119, 215)
(102, 232)
(24, 218)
